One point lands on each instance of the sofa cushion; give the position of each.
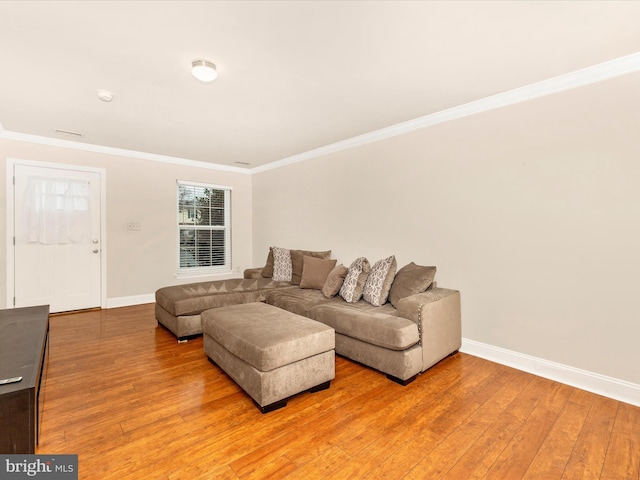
(281, 264)
(334, 281)
(384, 330)
(194, 298)
(315, 272)
(298, 300)
(409, 280)
(297, 262)
(354, 282)
(378, 284)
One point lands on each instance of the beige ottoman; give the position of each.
(271, 353)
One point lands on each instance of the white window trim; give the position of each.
(227, 268)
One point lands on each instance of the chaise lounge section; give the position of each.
(178, 307)
(401, 342)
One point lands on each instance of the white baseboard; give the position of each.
(592, 382)
(132, 300)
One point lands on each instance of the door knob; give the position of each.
(95, 250)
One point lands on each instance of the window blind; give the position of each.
(204, 227)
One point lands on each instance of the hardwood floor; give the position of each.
(134, 404)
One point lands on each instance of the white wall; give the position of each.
(532, 211)
(143, 191)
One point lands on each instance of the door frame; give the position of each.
(10, 227)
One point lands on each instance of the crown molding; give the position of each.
(586, 76)
(87, 147)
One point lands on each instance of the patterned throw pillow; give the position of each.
(376, 289)
(353, 285)
(281, 264)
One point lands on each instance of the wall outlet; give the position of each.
(133, 226)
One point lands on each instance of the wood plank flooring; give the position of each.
(134, 404)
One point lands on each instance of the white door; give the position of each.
(57, 238)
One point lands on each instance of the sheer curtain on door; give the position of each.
(57, 211)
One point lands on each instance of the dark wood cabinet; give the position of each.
(24, 334)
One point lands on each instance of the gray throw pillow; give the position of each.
(409, 280)
(315, 272)
(267, 270)
(297, 258)
(334, 281)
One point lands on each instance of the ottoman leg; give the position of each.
(283, 403)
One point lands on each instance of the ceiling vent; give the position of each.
(68, 132)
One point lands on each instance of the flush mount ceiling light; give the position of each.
(203, 70)
(105, 95)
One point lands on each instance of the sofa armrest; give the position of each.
(253, 273)
(437, 313)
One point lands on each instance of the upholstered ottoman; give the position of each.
(271, 353)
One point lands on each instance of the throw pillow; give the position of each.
(267, 270)
(378, 284)
(353, 285)
(315, 271)
(334, 281)
(296, 262)
(411, 279)
(281, 264)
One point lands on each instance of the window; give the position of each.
(204, 228)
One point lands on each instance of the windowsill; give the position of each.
(204, 273)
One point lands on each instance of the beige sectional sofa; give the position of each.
(416, 325)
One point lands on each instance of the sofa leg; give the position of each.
(186, 338)
(271, 407)
(319, 388)
(404, 383)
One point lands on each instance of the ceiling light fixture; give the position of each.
(204, 71)
(105, 95)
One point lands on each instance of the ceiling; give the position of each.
(293, 75)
